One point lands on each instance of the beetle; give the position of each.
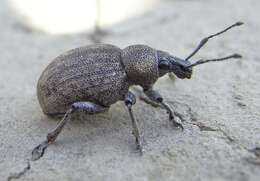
(93, 77)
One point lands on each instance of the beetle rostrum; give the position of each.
(93, 77)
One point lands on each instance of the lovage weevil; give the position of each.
(91, 78)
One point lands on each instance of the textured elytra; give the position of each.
(141, 64)
(101, 74)
(91, 73)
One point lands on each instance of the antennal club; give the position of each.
(236, 56)
(205, 40)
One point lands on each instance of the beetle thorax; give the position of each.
(141, 64)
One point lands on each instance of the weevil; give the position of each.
(93, 77)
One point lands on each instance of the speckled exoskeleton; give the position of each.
(91, 78)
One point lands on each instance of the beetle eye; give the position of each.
(182, 68)
(164, 64)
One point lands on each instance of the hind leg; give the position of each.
(129, 102)
(89, 107)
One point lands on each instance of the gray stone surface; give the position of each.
(220, 96)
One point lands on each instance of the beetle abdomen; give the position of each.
(92, 73)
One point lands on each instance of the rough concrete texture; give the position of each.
(221, 102)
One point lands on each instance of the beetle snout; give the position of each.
(186, 71)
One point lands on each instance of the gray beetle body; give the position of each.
(99, 73)
(92, 78)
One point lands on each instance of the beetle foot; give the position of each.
(139, 146)
(180, 116)
(175, 123)
(39, 150)
(178, 125)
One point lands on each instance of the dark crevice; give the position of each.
(239, 100)
(17, 175)
(254, 160)
(228, 137)
(203, 127)
(256, 151)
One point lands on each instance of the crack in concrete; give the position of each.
(17, 175)
(203, 127)
(256, 151)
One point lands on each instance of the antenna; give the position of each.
(205, 40)
(236, 56)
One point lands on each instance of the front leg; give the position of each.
(129, 102)
(156, 97)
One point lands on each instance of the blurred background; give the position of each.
(221, 102)
(67, 17)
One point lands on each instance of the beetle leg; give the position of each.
(89, 107)
(129, 102)
(156, 97)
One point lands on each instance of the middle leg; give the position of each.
(129, 102)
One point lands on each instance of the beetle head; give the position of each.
(178, 66)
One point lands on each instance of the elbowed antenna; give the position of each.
(216, 59)
(205, 40)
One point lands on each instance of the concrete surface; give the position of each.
(221, 102)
